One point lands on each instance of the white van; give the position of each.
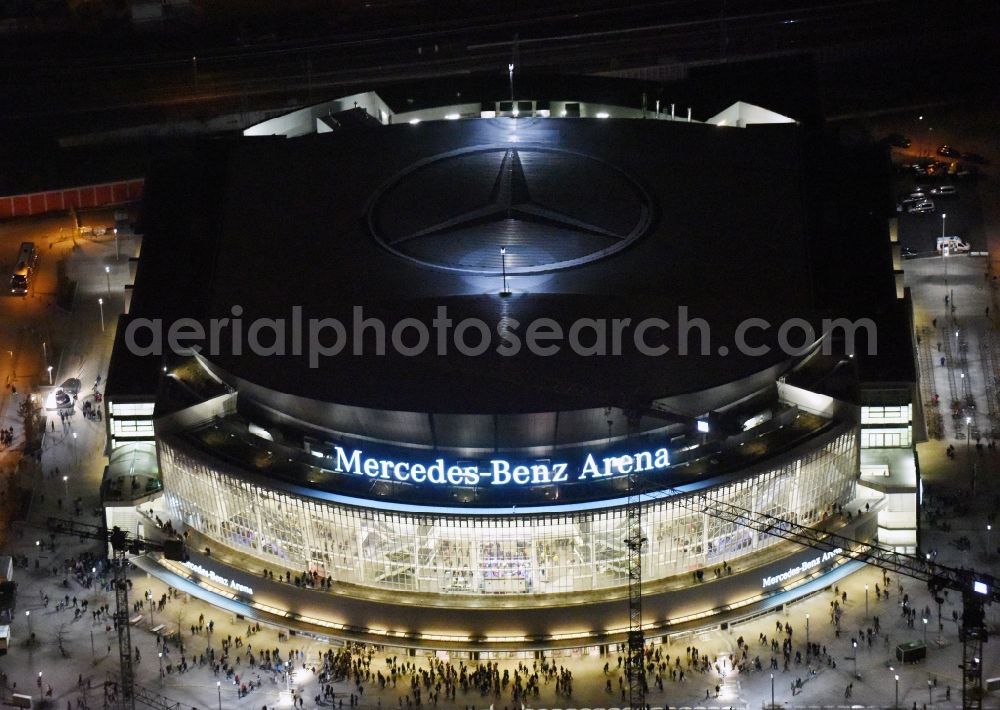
(951, 245)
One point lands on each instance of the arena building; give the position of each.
(426, 348)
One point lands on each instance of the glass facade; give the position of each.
(518, 553)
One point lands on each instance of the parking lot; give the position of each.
(963, 214)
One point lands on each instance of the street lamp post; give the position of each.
(968, 449)
(930, 686)
(989, 548)
(107, 273)
(49, 368)
(925, 630)
(118, 254)
(40, 687)
(772, 691)
(218, 686)
(100, 302)
(27, 615)
(897, 692)
(66, 487)
(510, 76)
(855, 643)
(944, 220)
(945, 252)
(160, 654)
(76, 456)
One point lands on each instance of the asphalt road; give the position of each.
(88, 82)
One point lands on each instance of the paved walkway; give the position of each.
(91, 651)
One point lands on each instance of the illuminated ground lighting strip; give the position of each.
(568, 636)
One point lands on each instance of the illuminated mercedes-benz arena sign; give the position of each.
(497, 471)
(482, 503)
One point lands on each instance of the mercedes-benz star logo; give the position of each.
(549, 208)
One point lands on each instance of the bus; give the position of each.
(24, 269)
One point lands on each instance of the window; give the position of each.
(131, 428)
(132, 409)
(886, 415)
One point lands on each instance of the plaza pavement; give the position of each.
(87, 642)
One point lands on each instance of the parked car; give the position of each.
(975, 158)
(965, 170)
(921, 207)
(898, 140)
(944, 191)
(948, 152)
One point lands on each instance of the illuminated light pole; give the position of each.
(925, 630)
(76, 456)
(100, 302)
(39, 687)
(49, 368)
(66, 487)
(772, 691)
(107, 273)
(897, 692)
(945, 251)
(218, 686)
(45, 352)
(510, 76)
(503, 267)
(989, 535)
(855, 643)
(930, 686)
(968, 449)
(160, 654)
(118, 254)
(27, 615)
